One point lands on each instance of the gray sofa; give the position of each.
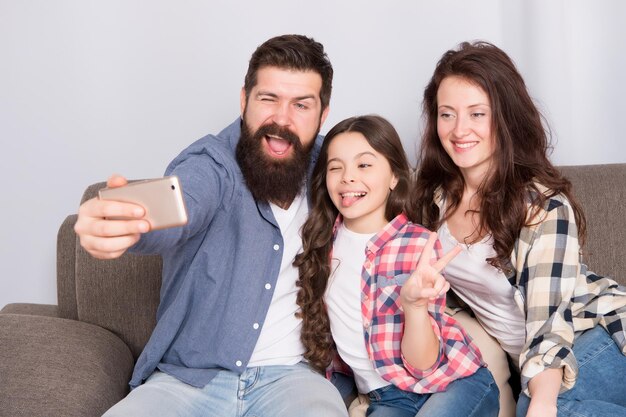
(75, 358)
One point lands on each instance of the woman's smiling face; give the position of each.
(464, 125)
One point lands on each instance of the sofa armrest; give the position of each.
(66, 269)
(58, 367)
(48, 310)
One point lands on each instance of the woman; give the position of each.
(485, 181)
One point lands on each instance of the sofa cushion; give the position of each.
(59, 367)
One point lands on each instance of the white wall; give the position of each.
(88, 88)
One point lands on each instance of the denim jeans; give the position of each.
(267, 391)
(472, 396)
(600, 389)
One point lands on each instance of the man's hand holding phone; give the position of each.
(108, 225)
(103, 237)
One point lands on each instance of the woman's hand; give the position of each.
(541, 409)
(544, 391)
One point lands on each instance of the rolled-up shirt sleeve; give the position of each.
(549, 277)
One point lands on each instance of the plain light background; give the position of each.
(89, 88)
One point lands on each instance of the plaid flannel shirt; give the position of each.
(558, 295)
(391, 257)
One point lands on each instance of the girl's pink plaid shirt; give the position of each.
(391, 256)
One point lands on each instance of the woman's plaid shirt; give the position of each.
(559, 296)
(391, 257)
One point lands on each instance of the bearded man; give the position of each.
(227, 339)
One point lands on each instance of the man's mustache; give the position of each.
(276, 130)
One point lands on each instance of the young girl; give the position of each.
(485, 181)
(371, 288)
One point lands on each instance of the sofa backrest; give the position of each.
(122, 295)
(601, 190)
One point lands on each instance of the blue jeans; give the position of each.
(472, 396)
(267, 391)
(600, 389)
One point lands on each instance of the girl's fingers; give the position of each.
(429, 293)
(439, 284)
(427, 252)
(445, 288)
(445, 259)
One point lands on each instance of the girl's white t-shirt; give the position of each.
(343, 300)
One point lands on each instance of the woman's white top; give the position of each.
(486, 290)
(343, 300)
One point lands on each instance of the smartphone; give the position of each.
(162, 198)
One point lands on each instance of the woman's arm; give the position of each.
(548, 266)
(544, 389)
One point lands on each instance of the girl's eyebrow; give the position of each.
(355, 157)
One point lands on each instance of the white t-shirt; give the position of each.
(486, 290)
(279, 342)
(343, 300)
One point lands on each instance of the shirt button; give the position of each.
(238, 363)
(366, 324)
(276, 247)
(268, 286)
(368, 265)
(255, 326)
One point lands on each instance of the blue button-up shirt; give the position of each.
(219, 271)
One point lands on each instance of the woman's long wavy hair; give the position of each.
(520, 158)
(317, 233)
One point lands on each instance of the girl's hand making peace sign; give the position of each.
(426, 282)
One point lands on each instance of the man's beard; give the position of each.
(271, 179)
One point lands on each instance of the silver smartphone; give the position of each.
(162, 198)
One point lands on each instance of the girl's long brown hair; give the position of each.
(317, 233)
(520, 158)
